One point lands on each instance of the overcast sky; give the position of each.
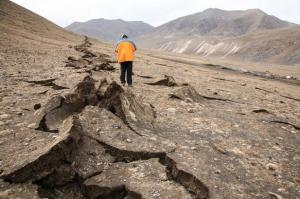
(154, 12)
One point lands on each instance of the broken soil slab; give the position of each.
(71, 80)
(103, 66)
(58, 167)
(50, 117)
(137, 115)
(50, 120)
(140, 179)
(44, 161)
(83, 150)
(186, 93)
(109, 130)
(167, 81)
(90, 157)
(48, 82)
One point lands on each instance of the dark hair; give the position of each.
(124, 36)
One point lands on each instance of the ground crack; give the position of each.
(186, 179)
(284, 122)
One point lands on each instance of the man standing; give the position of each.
(125, 50)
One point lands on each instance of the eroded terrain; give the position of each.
(69, 130)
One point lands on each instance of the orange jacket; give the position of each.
(125, 50)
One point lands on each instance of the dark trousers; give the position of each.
(126, 67)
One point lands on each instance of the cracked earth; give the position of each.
(69, 130)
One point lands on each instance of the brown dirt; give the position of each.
(231, 136)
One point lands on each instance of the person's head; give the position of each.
(124, 36)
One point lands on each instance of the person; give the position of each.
(125, 53)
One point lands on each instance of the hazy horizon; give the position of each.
(153, 12)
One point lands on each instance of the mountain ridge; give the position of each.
(226, 34)
(217, 22)
(97, 28)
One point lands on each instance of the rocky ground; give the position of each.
(69, 130)
(184, 130)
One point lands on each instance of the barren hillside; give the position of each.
(217, 22)
(274, 46)
(185, 130)
(249, 35)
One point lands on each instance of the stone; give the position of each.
(4, 116)
(272, 167)
(20, 113)
(171, 110)
(4, 132)
(31, 126)
(218, 171)
(275, 196)
(128, 140)
(191, 110)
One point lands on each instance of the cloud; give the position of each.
(155, 12)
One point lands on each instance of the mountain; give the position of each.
(216, 22)
(109, 30)
(228, 34)
(281, 46)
